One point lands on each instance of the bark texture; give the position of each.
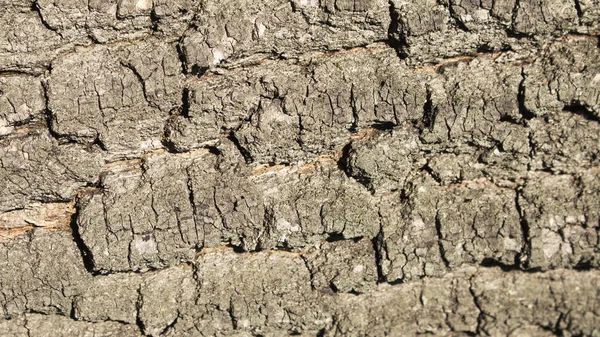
(299, 167)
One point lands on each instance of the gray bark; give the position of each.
(299, 167)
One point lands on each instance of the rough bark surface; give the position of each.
(299, 167)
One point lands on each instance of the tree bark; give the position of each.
(299, 167)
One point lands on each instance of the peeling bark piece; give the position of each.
(431, 306)
(102, 21)
(229, 208)
(36, 167)
(277, 283)
(561, 213)
(110, 298)
(478, 222)
(21, 99)
(567, 76)
(165, 297)
(476, 101)
(119, 96)
(226, 32)
(408, 244)
(25, 43)
(22, 5)
(438, 227)
(450, 168)
(561, 301)
(384, 161)
(565, 142)
(117, 20)
(36, 325)
(160, 211)
(50, 216)
(478, 16)
(486, 301)
(308, 205)
(356, 90)
(387, 161)
(589, 14)
(430, 31)
(143, 217)
(40, 273)
(35, 32)
(343, 266)
(173, 17)
(545, 17)
(288, 111)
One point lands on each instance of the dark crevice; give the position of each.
(354, 292)
(185, 103)
(510, 119)
(343, 162)
(190, 194)
(140, 79)
(579, 109)
(73, 313)
(523, 256)
(214, 150)
(62, 139)
(489, 262)
(170, 146)
(426, 168)
(480, 316)
(38, 10)
(86, 253)
(171, 325)
(344, 165)
(49, 117)
(511, 33)
(487, 49)
(243, 151)
(281, 247)
(26, 121)
(513, 17)
(377, 241)
(138, 307)
(98, 142)
(229, 310)
(355, 115)
(154, 19)
(395, 39)
(383, 125)
(182, 58)
(333, 287)
(578, 9)
(585, 265)
(396, 282)
(456, 18)
(198, 70)
(526, 113)
(429, 111)
(438, 228)
(237, 249)
(335, 237)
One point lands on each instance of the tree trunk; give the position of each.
(299, 167)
